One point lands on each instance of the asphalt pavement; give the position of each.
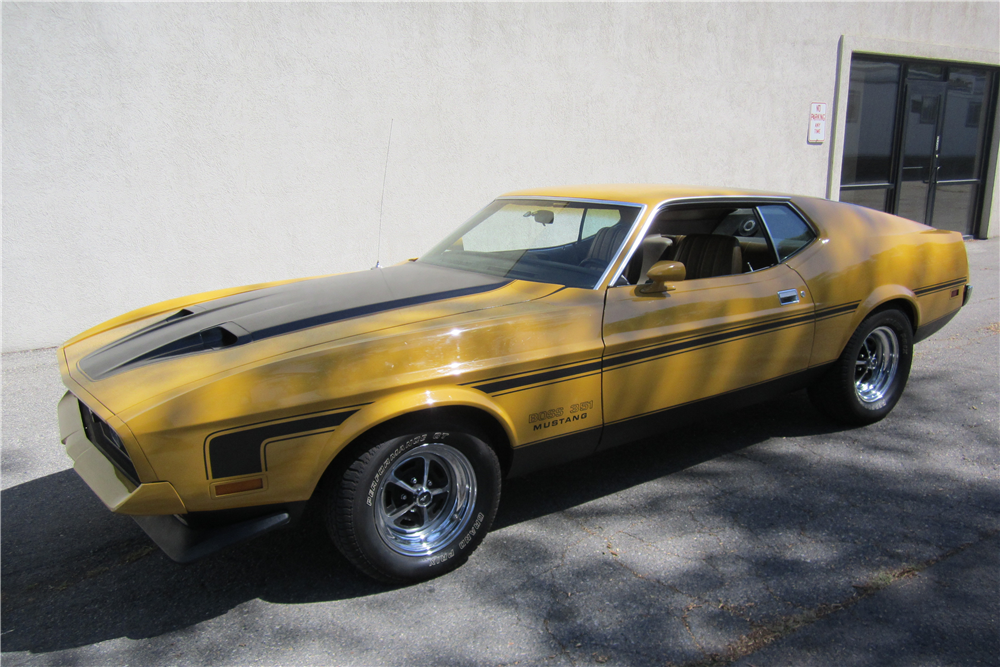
(768, 536)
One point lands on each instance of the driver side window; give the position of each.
(745, 226)
(719, 240)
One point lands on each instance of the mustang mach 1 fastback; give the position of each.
(554, 324)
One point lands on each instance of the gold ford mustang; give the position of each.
(553, 324)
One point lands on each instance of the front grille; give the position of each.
(108, 443)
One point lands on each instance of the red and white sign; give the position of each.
(817, 122)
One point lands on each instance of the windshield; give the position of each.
(562, 242)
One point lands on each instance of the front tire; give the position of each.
(866, 382)
(416, 503)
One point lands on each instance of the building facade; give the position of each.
(156, 150)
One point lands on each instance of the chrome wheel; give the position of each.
(875, 367)
(425, 499)
(868, 378)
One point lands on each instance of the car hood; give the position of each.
(277, 319)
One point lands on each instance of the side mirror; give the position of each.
(662, 273)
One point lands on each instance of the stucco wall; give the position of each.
(155, 150)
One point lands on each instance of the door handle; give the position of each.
(788, 296)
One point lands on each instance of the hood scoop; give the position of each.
(215, 338)
(185, 312)
(281, 310)
(117, 356)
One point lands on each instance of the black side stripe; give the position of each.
(836, 311)
(545, 376)
(239, 452)
(704, 341)
(822, 313)
(537, 370)
(939, 287)
(506, 384)
(693, 337)
(549, 384)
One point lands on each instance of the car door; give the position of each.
(731, 337)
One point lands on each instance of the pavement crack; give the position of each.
(777, 598)
(687, 626)
(768, 632)
(562, 557)
(562, 647)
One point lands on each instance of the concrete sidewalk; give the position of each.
(767, 537)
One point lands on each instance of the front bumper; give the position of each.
(111, 485)
(155, 506)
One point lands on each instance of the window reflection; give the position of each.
(871, 117)
(871, 198)
(924, 72)
(961, 141)
(954, 206)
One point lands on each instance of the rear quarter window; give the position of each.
(788, 230)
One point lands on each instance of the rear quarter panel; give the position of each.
(864, 259)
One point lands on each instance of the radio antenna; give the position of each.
(385, 172)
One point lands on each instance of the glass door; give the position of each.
(916, 140)
(921, 144)
(962, 133)
(868, 174)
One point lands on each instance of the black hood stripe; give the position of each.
(361, 311)
(284, 309)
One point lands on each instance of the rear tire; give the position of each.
(416, 503)
(866, 382)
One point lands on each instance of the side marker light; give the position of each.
(237, 487)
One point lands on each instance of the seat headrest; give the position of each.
(710, 255)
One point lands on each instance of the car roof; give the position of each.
(637, 193)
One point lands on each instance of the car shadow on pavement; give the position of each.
(73, 574)
(674, 450)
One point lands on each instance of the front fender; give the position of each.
(410, 402)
